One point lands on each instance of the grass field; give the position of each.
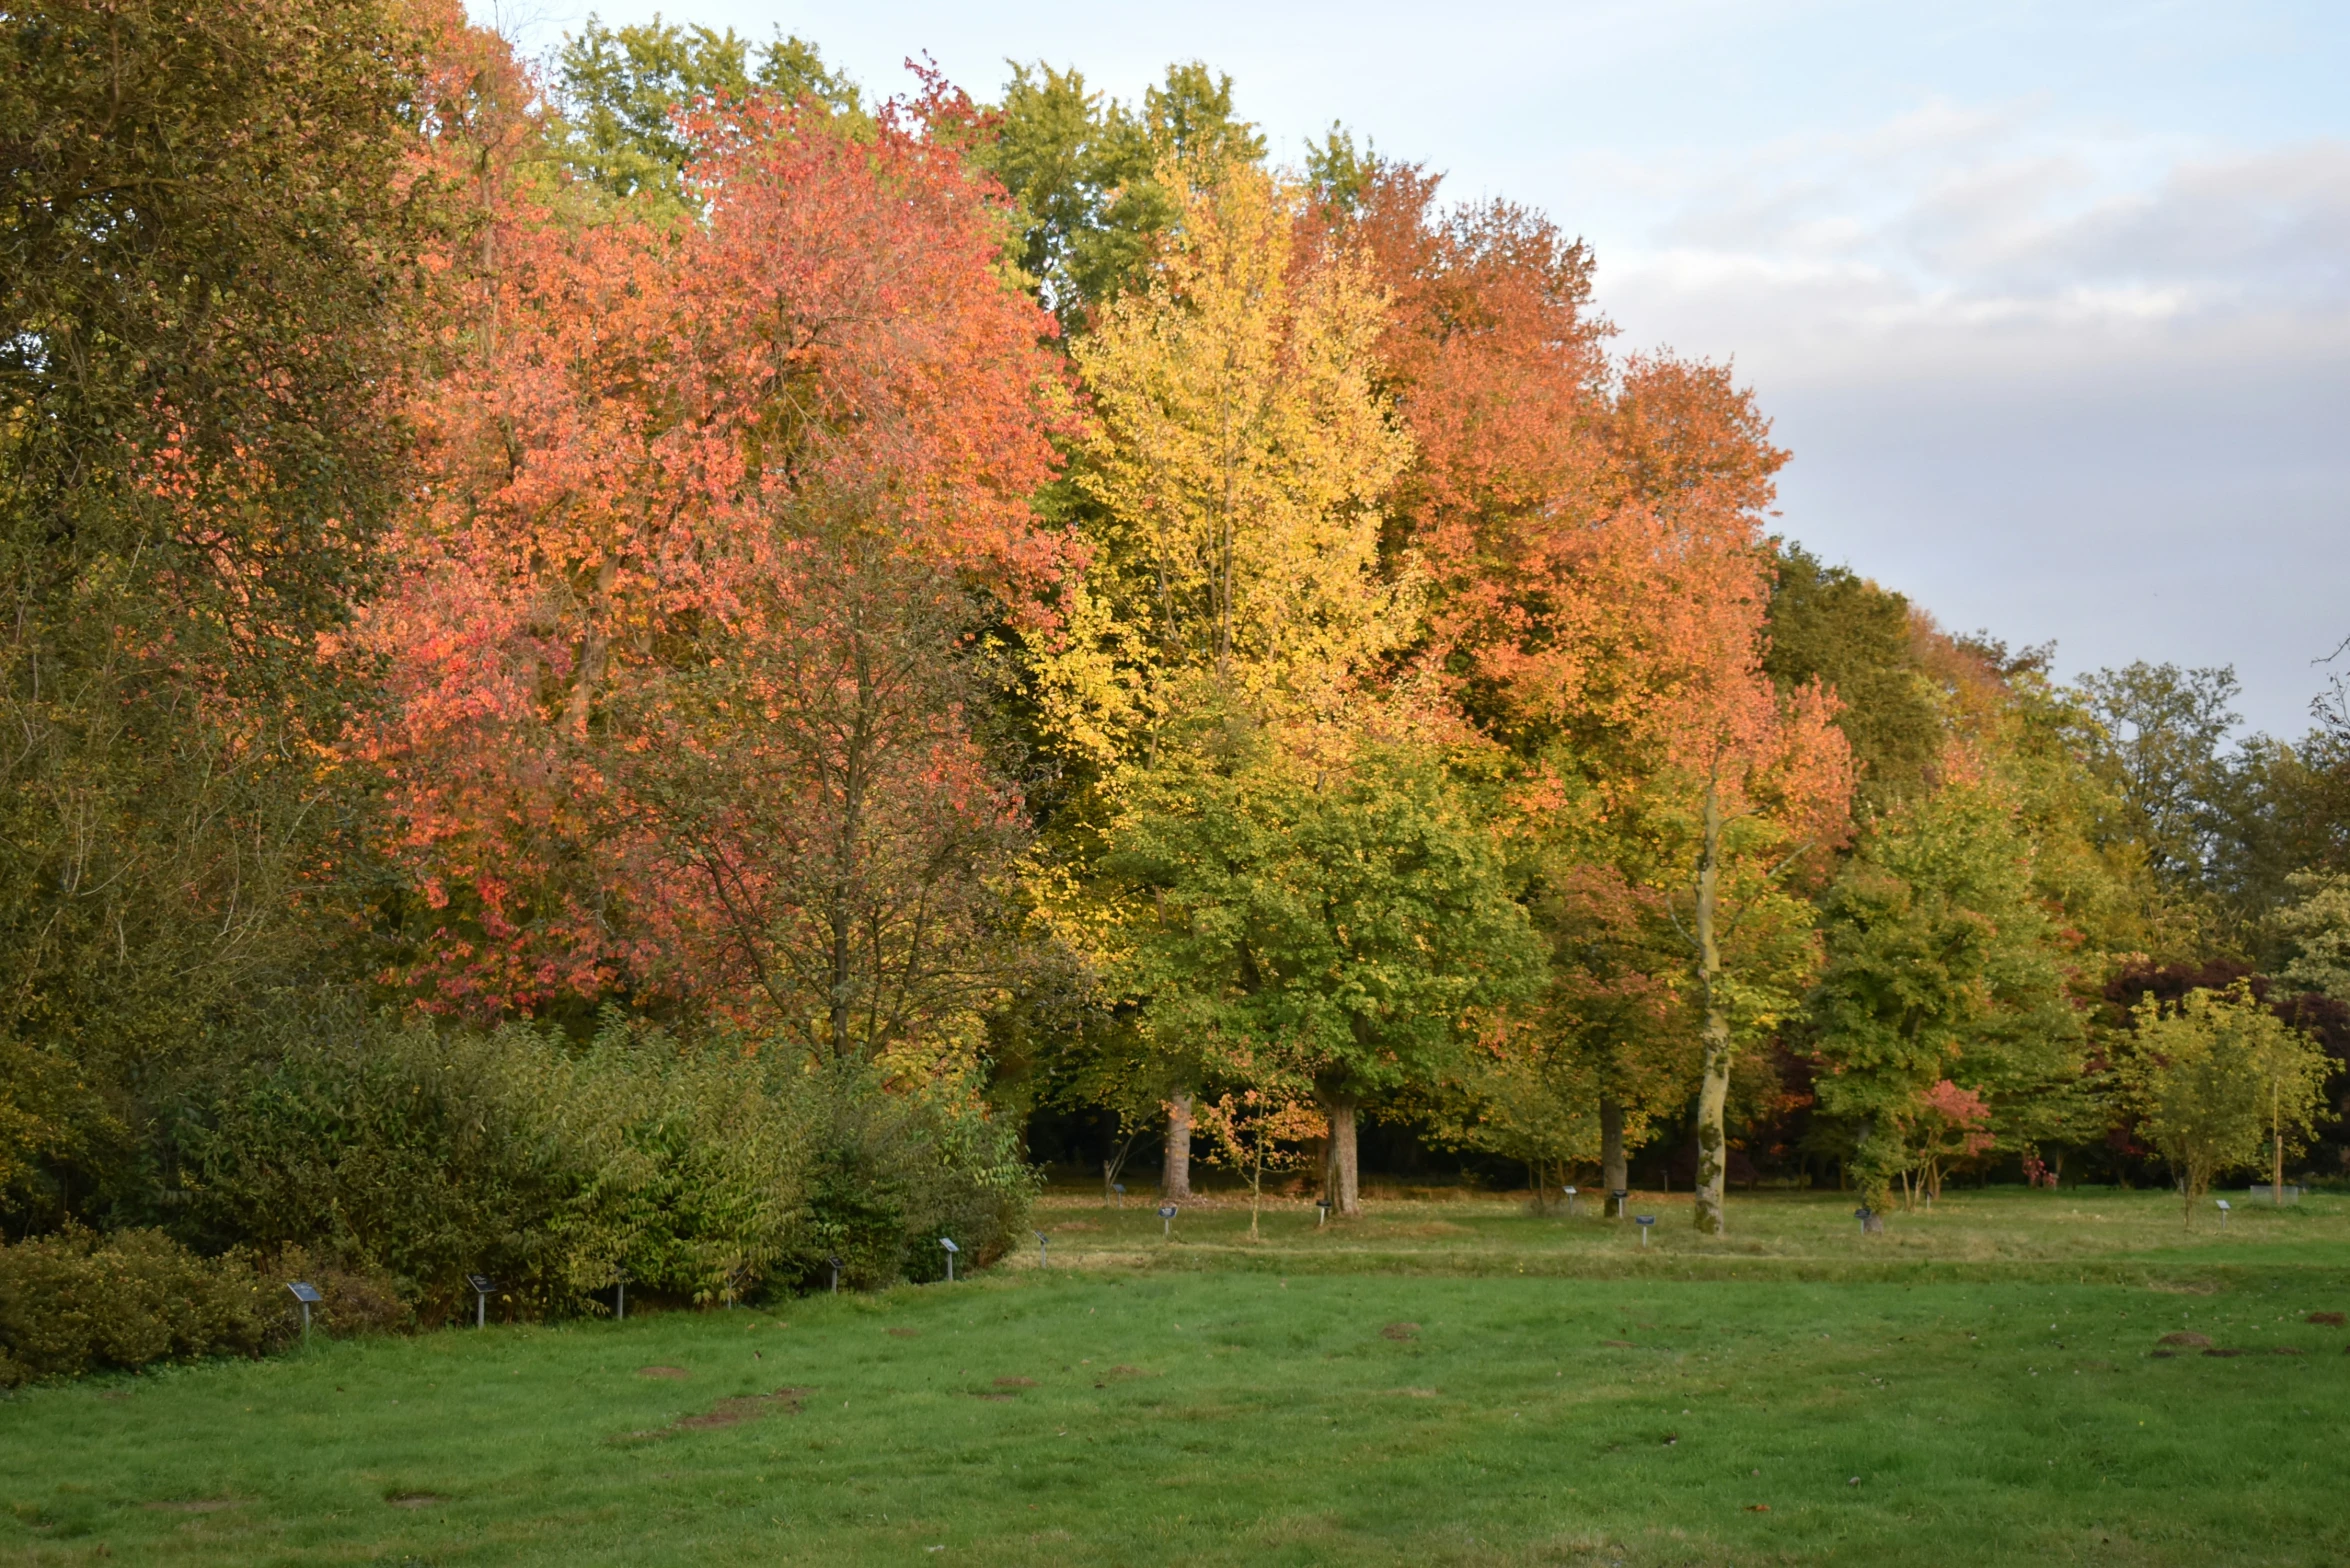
(1978, 1386)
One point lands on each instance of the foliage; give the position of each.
(1341, 921)
(1943, 966)
(1239, 463)
(667, 535)
(2319, 927)
(2217, 1077)
(211, 241)
(1258, 1130)
(1097, 182)
(706, 1171)
(623, 92)
(76, 1300)
(1855, 638)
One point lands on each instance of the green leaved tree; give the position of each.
(2218, 1079)
(1343, 922)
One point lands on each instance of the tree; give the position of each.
(1239, 465)
(1258, 1130)
(2162, 732)
(2319, 928)
(214, 232)
(1942, 966)
(1855, 638)
(723, 521)
(1235, 478)
(1091, 176)
(623, 90)
(2210, 1076)
(1525, 1094)
(1343, 922)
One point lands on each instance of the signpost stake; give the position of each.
(1044, 1257)
(305, 1293)
(1166, 1219)
(1645, 1222)
(1570, 1203)
(951, 1249)
(835, 1262)
(482, 1286)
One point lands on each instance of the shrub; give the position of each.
(893, 1172)
(74, 1301)
(706, 1169)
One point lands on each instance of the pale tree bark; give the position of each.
(1346, 1196)
(1175, 1173)
(1614, 1173)
(1713, 1092)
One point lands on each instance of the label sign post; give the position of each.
(947, 1242)
(1166, 1219)
(482, 1286)
(308, 1295)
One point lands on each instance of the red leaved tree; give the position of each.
(716, 518)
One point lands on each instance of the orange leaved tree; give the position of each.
(717, 517)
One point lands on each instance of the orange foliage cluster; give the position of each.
(639, 463)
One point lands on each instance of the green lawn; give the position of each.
(1978, 1389)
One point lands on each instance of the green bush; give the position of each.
(74, 1301)
(707, 1170)
(893, 1172)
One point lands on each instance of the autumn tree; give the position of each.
(1235, 479)
(1624, 657)
(724, 518)
(1240, 463)
(210, 248)
(1260, 1129)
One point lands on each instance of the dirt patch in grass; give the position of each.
(1617, 1344)
(2184, 1287)
(2223, 1350)
(1400, 1331)
(414, 1499)
(905, 1333)
(197, 1505)
(727, 1412)
(2325, 1319)
(678, 1374)
(1414, 1393)
(741, 1408)
(2184, 1338)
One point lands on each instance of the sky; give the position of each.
(2050, 301)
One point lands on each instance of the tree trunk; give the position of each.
(1346, 1196)
(1713, 1093)
(2276, 1129)
(1612, 1173)
(1175, 1174)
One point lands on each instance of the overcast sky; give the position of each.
(2051, 301)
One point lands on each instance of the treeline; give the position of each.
(630, 669)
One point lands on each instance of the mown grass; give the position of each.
(1140, 1402)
